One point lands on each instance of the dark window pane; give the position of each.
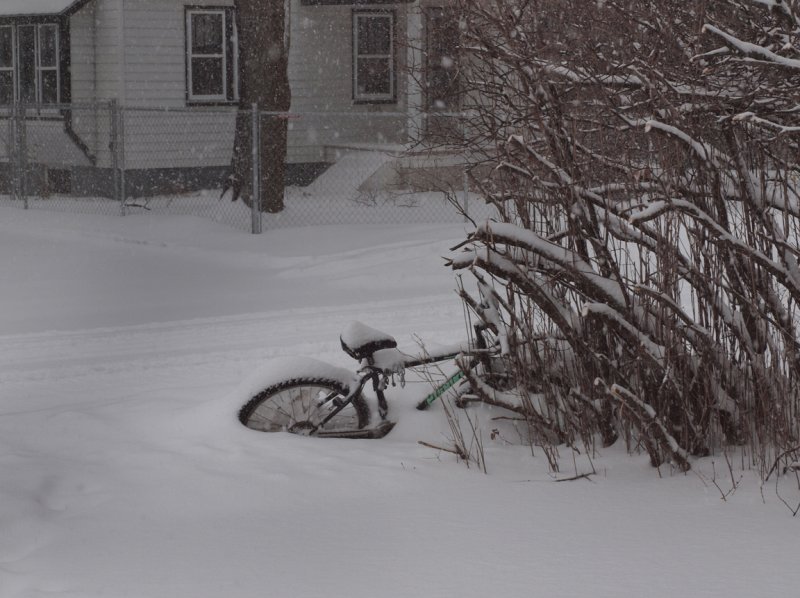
(207, 76)
(207, 34)
(6, 47)
(49, 87)
(443, 87)
(27, 63)
(374, 76)
(443, 31)
(374, 35)
(48, 47)
(232, 65)
(6, 88)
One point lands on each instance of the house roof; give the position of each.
(30, 8)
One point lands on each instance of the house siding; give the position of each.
(320, 73)
(108, 15)
(321, 79)
(161, 131)
(155, 61)
(95, 74)
(83, 37)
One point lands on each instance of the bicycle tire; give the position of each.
(300, 404)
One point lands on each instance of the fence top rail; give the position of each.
(227, 109)
(291, 114)
(53, 107)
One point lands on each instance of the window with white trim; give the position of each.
(6, 65)
(442, 85)
(211, 55)
(29, 64)
(373, 56)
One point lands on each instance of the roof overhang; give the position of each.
(39, 8)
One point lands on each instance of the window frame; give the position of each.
(11, 69)
(375, 98)
(431, 15)
(229, 57)
(60, 62)
(56, 67)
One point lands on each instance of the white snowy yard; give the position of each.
(123, 471)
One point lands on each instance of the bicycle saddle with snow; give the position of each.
(360, 341)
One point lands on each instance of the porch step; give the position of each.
(354, 172)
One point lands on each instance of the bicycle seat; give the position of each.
(360, 341)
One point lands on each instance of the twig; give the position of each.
(455, 451)
(778, 458)
(580, 476)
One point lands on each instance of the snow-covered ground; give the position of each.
(123, 343)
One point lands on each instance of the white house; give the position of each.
(171, 66)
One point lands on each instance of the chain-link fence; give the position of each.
(63, 157)
(339, 168)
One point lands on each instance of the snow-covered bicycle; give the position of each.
(309, 397)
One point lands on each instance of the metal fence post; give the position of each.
(121, 157)
(21, 146)
(255, 206)
(117, 157)
(112, 146)
(12, 151)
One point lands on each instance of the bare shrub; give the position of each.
(643, 157)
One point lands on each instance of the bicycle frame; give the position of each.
(380, 378)
(382, 364)
(307, 402)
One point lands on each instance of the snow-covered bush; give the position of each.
(645, 159)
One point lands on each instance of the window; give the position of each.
(373, 56)
(47, 66)
(442, 88)
(211, 55)
(6, 65)
(29, 64)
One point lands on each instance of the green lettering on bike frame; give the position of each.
(448, 384)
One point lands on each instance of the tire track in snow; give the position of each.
(213, 342)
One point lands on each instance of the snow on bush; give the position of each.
(644, 159)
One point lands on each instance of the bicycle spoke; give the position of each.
(301, 409)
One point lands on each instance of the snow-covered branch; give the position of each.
(763, 122)
(750, 50)
(647, 182)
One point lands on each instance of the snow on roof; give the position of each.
(34, 7)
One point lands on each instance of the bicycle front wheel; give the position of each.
(300, 405)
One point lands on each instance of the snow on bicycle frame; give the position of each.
(378, 350)
(314, 398)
